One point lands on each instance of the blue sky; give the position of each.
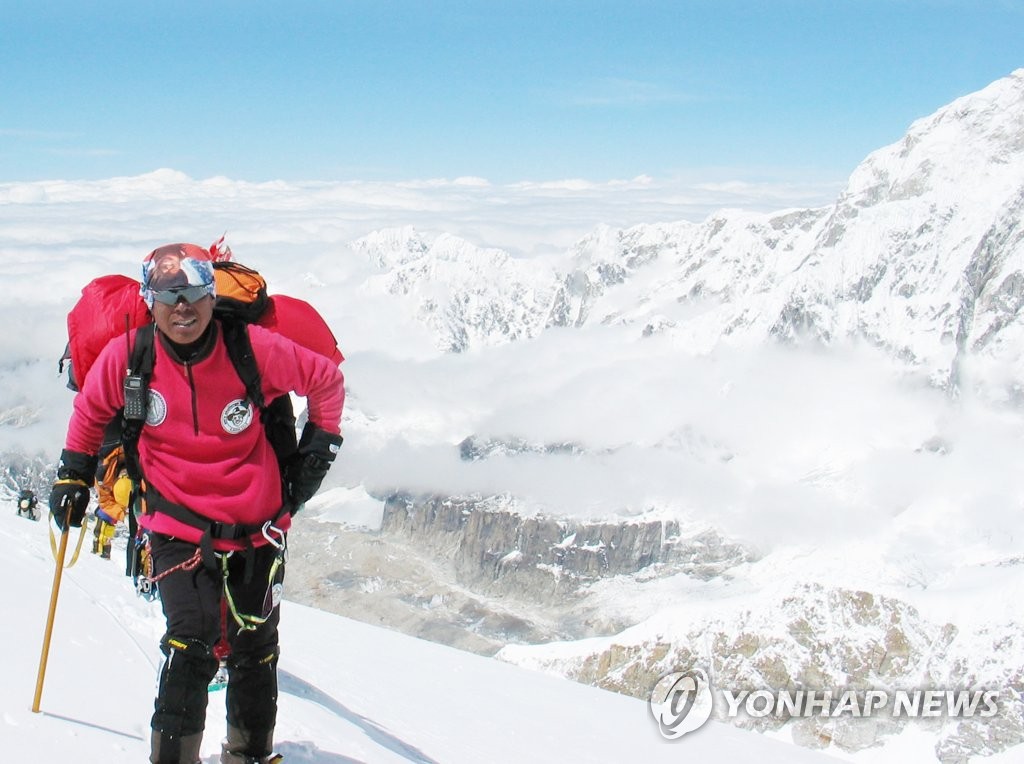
(765, 90)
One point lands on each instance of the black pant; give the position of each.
(191, 601)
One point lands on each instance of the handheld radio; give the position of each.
(135, 393)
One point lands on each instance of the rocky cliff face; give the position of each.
(499, 550)
(476, 573)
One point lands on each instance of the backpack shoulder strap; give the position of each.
(239, 347)
(143, 352)
(277, 416)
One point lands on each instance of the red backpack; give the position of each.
(111, 306)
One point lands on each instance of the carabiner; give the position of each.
(269, 526)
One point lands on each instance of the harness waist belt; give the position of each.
(154, 501)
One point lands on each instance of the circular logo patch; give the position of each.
(236, 416)
(156, 409)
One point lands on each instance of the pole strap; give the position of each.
(78, 546)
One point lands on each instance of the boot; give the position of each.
(244, 747)
(165, 749)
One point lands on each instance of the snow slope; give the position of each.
(349, 692)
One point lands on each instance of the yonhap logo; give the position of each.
(681, 702)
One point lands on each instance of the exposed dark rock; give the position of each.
(503, 550)
(474, 448)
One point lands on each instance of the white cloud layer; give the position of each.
(769, 445)
(523, 218)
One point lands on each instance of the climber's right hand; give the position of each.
(69, 497)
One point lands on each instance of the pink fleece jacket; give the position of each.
(203, 445)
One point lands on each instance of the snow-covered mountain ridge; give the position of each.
(922, 254)
(466, 295)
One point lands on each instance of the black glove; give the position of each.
(307, 469)
(71, 490)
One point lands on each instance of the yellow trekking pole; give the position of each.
(61, 551)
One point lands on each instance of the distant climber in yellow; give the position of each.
(114, 491)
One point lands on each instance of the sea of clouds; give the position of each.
(769, 444)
